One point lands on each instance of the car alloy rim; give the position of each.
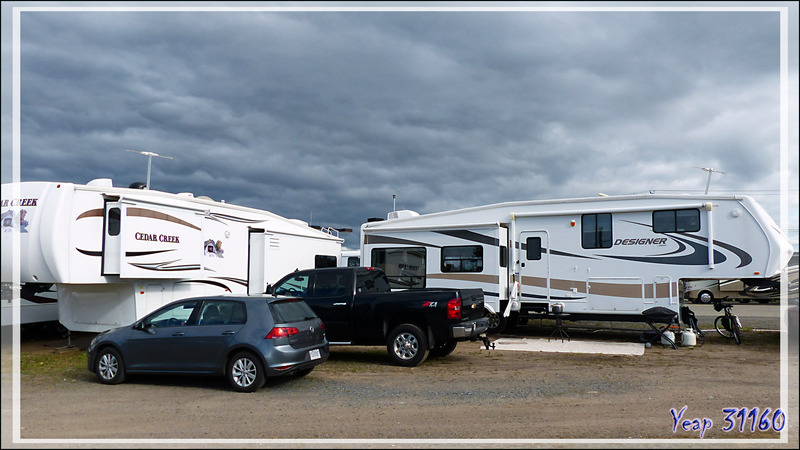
(406, 345)
(108, 366)
(244, 372)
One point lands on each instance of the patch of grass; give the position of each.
(52, 364)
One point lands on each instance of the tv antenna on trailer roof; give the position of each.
(149, 162)
(710, 170)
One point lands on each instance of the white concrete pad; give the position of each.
(569, 346)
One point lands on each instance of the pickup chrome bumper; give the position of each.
(470, 330)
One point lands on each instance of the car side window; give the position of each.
(296, 286)
(174, 316)
(223, 312)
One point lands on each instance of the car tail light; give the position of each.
(454, 308)
(279, 332)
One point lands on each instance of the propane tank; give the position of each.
(668, 334)
(688, 338)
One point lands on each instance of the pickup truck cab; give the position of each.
(358, 307)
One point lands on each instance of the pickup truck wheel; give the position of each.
(443, 349)
(407, 345)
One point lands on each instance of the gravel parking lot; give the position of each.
(479, 397)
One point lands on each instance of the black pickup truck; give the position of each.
(358, 307)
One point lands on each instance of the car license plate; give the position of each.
(314, 354)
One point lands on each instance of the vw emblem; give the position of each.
(311, 329)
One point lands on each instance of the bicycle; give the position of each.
(728, 324)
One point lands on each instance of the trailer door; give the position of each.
(534, 266)
(257, 266)
(112, 238)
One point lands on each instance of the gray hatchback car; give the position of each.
(246, 339)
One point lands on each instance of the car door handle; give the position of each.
(178, 333)
(228, 333)
(340, 304)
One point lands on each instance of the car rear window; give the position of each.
(288, 311)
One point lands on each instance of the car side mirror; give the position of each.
(269, 289)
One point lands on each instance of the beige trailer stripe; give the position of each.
(91, 213)
(141, 212)
(477, 278)
(600, 288)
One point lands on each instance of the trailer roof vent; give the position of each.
(402, 214)
(101, 182)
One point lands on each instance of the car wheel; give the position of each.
(443, 349)
(245, 373)
(407, 345)
(745, 300)
(705, 297)
(109, 367)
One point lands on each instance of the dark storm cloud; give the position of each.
(326, 115)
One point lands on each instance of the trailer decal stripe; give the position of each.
(374, 239)
(162, 267)
(471, 236)
(235, 219)
(477, 278)
(234, 280)
(89, 252)
(210, 282)
(596, 288)
(141, 212)
(91, 213)
(744, 257)
(153, 252)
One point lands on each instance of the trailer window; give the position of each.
(323, 261)
(353, 261)
(673, 221)
(404, 267)
(596, 231)
(533, 246)
(468, 258)
(113, 221)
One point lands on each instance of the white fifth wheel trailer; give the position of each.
(116, 254)
(604, 258)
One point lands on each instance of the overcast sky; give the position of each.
(323, 116)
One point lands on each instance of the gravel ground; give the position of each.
(472, 398)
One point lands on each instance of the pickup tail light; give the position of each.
(279, 332)
(454, 308)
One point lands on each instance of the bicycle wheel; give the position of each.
(719, 324)
(735, 330)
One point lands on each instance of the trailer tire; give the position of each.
(443, 349)
(705, 297)
(407, 345)
(497, 323)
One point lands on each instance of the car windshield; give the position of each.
(288, 311)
